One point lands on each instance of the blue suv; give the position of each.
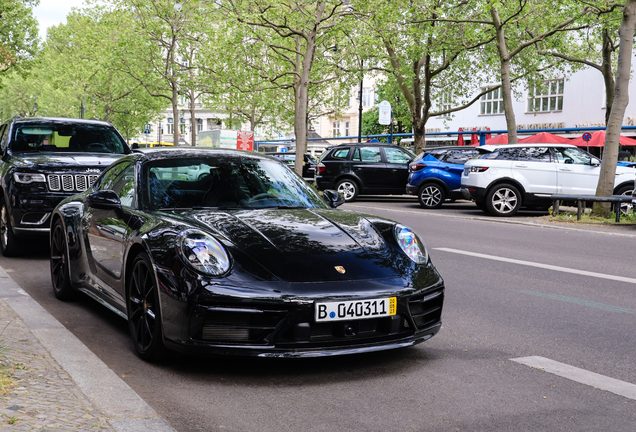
(435, 175)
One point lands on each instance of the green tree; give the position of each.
(294, 34)
(19, 41)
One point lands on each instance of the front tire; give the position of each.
(348, 188)
(8, 241)
(503, 200)
(144, 315)
(431, 196)
(60, 276)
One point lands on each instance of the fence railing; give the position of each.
(481, 134)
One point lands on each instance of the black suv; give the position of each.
(309, 163)
(44, 160)
(368, 168)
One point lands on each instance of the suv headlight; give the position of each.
(203, 253)
(411, 244)
(27, 178)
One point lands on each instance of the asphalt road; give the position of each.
(513, 290)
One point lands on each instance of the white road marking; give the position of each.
(579, 375)
(511, 221)
(543, 266)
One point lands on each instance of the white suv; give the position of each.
(503, 178)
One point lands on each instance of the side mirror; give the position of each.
(104, 200)
(134, 146)
(595, 162)
(334, 198)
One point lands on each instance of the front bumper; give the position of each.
(269, 323)
(31, 212)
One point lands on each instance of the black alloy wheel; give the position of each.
(8, 242)
(60, 276)
(503, 200)
(431, 196)
(144, 317)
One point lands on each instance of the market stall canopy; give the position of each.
(598, 140)
(499, 139)
(545, 137)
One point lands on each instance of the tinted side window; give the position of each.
(342, 153)
(457, 156)
(396, 156)
(4, 137)
(367, 154)
(534, 154)
(573, 156)
(502, 154)
(107, 181)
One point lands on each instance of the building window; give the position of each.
(444, 102)
(347, 129)
(336, 129)
(170, 126)
(199, 125)
(546, 97)
(366, 96)
(491, 103)
(376, 97)
(182, 126)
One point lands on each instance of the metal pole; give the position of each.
(391, 137)
(360, 106)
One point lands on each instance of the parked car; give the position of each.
(309, 163)
(249, 260)
(364, 169)
(435, 176)
(45, 160)
(504, 178)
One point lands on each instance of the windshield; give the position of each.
(226, 182)
(56, 137)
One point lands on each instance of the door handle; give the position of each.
(394, 170)
(521, 165)
(564, 169)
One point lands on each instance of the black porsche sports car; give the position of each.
(233, 253)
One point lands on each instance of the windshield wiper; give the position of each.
(289, 207)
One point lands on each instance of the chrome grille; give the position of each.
(67, 183)
(70, 182)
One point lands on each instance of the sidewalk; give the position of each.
(60, 383)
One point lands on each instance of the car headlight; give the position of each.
(411, 244)
(204, 253)
(29, 178)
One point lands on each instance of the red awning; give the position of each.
(545, 137)
(598, 140)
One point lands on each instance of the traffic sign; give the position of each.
(587, 136)
(385, 113)
(147, 128)
(283, 150)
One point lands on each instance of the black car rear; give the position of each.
(364, 169)
(45, 160)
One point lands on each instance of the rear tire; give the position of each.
(8, 242)
(60, 276)
(626, 208)
(348, 188)
(431, 196)
(503, 200)
(144, 314)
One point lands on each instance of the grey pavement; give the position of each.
(60, 383)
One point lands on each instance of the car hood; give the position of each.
(308, 245)
(65, 160)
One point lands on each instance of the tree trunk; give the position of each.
(175, 114)
(608, 75)
(621, 99)
(506, 86)
(193, 120)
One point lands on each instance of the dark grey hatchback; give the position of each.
(364, 169)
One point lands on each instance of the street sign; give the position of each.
(587, 136)
(147, 128)
(385, 113)
(283, 150)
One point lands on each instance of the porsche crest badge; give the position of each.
(340, 269)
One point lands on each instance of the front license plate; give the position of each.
(356, 309)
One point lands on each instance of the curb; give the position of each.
(124, 410)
